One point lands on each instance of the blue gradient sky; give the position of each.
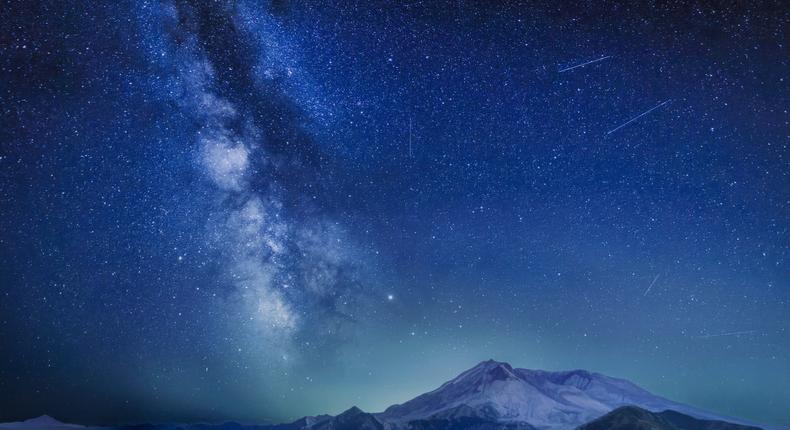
(257, 211)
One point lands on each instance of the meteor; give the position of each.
(732, 333)
(651, 284)
(584, 64)
(636, 117)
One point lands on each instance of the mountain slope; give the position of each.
(634, 418)
(464, 417)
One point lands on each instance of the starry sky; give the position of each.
(254, 211)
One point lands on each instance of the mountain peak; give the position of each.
(351, 412)
(495, 370)
(352, 419)
(491, 363)
(44, 420)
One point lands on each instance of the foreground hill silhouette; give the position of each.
(633, 418)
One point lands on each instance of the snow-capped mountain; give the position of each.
(546, 400)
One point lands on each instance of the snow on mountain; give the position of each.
(546, 400)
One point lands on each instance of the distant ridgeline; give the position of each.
(495, 396)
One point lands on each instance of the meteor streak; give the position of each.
(732, 333)
(584, 64)
(636, 117)
(651, 284)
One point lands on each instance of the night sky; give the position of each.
(256, 211)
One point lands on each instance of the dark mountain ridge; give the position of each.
(634, 418)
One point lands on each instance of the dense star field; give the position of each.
(255, 211)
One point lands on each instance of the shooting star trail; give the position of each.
(651, 284)
(732, 333)
(637, 117)
(584, 64)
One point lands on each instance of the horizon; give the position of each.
(253, 211)
(480, 364)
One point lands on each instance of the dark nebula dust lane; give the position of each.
(256, 211)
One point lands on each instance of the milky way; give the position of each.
(279, 267)
(256, 211)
